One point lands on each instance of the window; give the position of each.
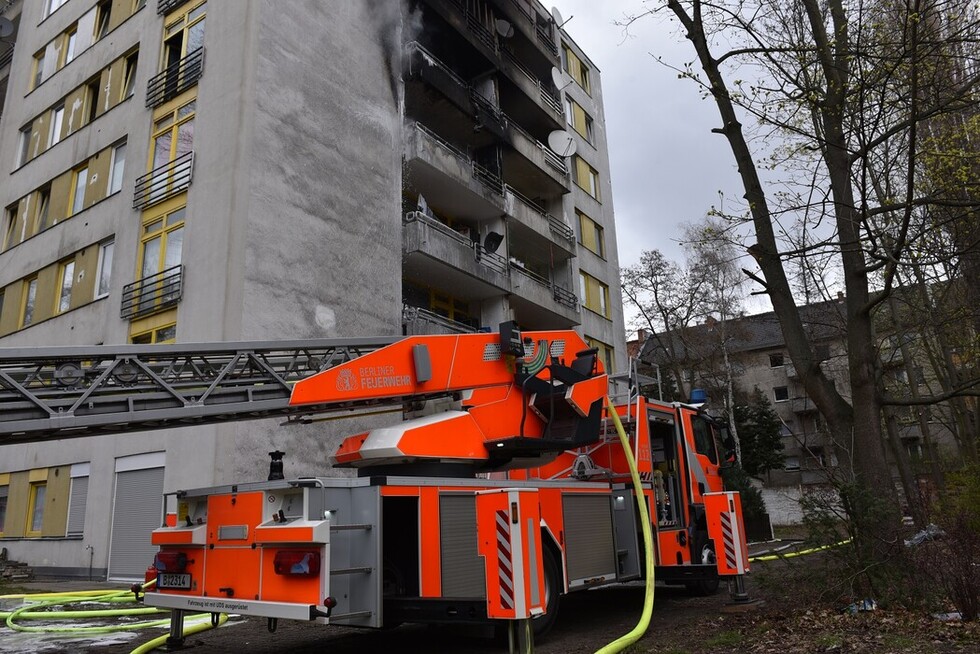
(606, 353)
(50, 6)
(577, 70)
(70, 40)
(580, 121)
(35, 516)
(780, 393)
(594, 294)
(10, 226)
(791, 463)
(4, 492)
(586, 177)
(38, 70)
(57, 119)
(43, 209)
(1, 317)
(30, 296)
(102, 283)
(183, 36)
(66, 273)
(77, 500)
(173, 137)
(116, 166)
(160, 249)
(450, 307)
(92, 99)
(776, 360)
(104, 11)
(129, 87)
(166, 334)
(704, 441)
(592, 236)
(78, 190)
(25, 145)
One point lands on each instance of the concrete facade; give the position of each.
(313, 131)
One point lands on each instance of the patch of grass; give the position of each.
(725, 639)
(829, 640)
(898, 641)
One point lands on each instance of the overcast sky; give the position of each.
(667, 166)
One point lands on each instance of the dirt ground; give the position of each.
(787, 621)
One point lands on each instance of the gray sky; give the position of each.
(667, 166)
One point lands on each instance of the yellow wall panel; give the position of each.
(86, 272)
(121, 10)
(98, 177)
(56, 501)
(18, 494)
(48, 288)
(75, 115)
(60, 197)
(116, 82)
(40, 128)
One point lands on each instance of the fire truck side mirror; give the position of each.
(728, 442)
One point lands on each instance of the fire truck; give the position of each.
(490, 510)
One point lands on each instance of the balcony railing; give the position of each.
(562, 295)
(152, 294)
(6, 57)
(423, 321)
(556, 225)
(175, 79)
(491, 260)
(487, 177)
(166, 6)
(164, 182)
(550, 156)
(544, 36)
(546, 95)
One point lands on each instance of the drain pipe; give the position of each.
(91, 557)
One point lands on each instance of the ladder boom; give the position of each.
(66, 392)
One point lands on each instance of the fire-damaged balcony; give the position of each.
(175, 79)
(440, 170)
(532, 29)
(535, 224)
(433, 250)
(164, 182)
(524, 88)
(152, 294)
(538, 299)
(532, 166)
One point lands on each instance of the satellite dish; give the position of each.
(6, 28)
(562, 143)
(504, 28)
(492, 241)
(560, 79)
(556, 16)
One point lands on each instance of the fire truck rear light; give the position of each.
(297, 563)
(329, 602)
(168, 561)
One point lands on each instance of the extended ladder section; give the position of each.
(53, 393)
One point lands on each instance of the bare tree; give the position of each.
(846, 87)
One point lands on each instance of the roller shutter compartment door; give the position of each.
(136, 512)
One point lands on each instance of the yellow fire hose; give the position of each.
(626, 640)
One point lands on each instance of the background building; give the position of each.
(185, 171)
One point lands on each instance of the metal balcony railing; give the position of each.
(6, 57)
(164, 182)
(175, 79)
(550, 156)
(556, 225)
(166, 6)
(152, 294)
(488, 178)
(547, 96)
(562, 295)
(423, 318)
(491, 260)
(544, 36)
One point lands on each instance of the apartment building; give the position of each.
(186, 171)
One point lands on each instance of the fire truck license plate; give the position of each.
(174, 580)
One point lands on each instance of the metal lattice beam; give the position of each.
(52, 393)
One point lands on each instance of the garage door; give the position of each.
(136, 511)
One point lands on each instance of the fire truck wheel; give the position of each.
(552, 593)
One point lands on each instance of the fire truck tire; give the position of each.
(552, 593)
